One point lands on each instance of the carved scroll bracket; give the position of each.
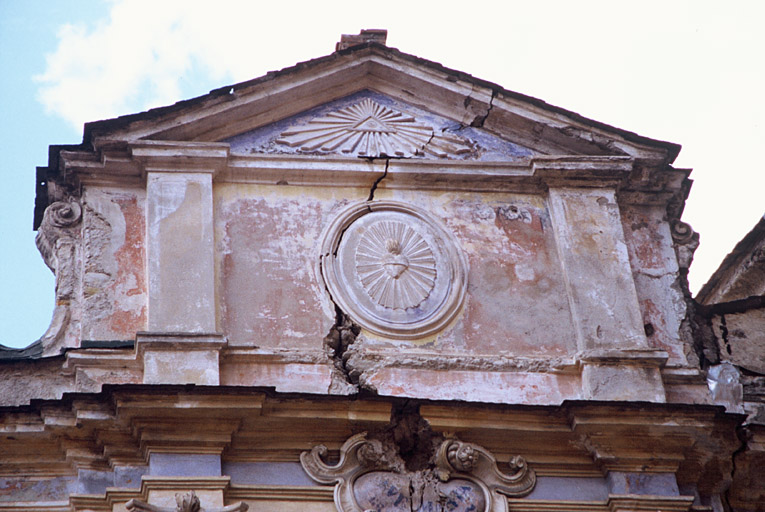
(686, 242)
(369, 477)
(187, 502)
(457, 459)
(58, 242)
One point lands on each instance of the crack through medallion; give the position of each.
(395, 266)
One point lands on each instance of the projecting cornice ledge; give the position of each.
(582, 171)
(120, 162)
(182, 157)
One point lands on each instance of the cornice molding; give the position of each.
(126, 164)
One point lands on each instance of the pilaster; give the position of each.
(182, 345)
(617, 362)
(180, 233)
(180, 358)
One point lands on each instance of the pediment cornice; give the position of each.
(540, 128)
(232, 110)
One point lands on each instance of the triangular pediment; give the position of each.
(373, 125)
(405, 85)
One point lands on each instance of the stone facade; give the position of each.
(366, 282)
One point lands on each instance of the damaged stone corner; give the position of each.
(415, 440)
(480, 119)
(336, 345)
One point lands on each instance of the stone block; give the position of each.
(181, 464)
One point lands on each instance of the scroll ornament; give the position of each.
(60, 221)
(465, 477)
(686, 241)
(58, 242)
(188, 502)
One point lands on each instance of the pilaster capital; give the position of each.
(180, 157)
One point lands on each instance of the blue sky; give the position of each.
(690, 72)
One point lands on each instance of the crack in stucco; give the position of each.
(378, 180)
(341, 335)
(742, 432)
(337, 341)
(479, 120)
(724, 333)
(432, 136)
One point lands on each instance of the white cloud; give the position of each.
(145, 52)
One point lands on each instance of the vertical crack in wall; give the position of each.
(479, 120)
(744, 436)
(378, 180)
(340, 336)
(724, 333)
(411, 434)
(343, 333)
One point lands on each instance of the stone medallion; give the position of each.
(393, 269)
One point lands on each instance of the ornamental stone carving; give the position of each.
(512, 212)
(686, 242)
(393, 269)
(395, 265)
(60, 222)
(465, 477)
(188, 502)
(368, 129)
(58, 240)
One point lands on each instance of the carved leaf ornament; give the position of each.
(368, 129)
(465, 478)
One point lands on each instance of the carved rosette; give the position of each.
(393, 269)
(512, 212)
(368, 129)
(395, 265)
(465, 476)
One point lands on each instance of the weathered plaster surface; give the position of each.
(498, 387)
(655, 270)
(270, 295)
(267, 473)
(27, 489)
(289, 378)
(23, 381)
(180, 250)
(596, 265)
(114, 279)
(181, 367)
(268, 242)
(622, 382)
(741, 337)
(516, 302)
